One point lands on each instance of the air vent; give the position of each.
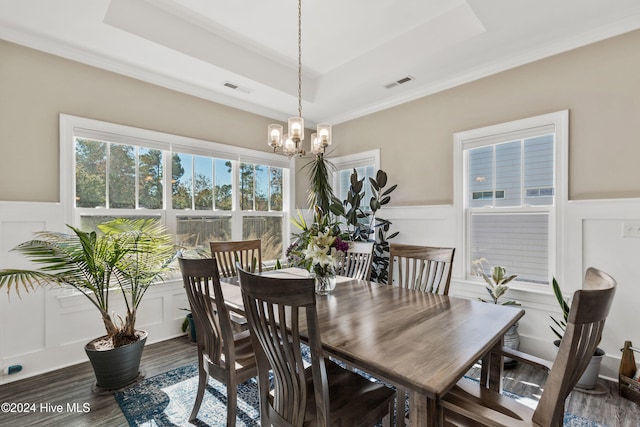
(236, 87)
(399, 82)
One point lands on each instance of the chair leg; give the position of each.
(203, 376)
(232, 403)
(386, 421)
(400, 406)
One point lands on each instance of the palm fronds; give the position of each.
(128, 254)
(320, 192)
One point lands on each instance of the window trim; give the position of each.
(71, 126)
(472, 138)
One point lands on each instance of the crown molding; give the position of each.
(629, 24)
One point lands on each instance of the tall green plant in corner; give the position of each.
(363, 224)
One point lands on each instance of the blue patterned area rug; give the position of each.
(167, 400)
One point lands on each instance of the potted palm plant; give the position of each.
(124, 257)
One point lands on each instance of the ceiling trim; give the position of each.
(630, 23)
(57, 47)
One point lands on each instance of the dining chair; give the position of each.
(323, 394)
(357, 261)
(470, 403)
(423, 268)
(247, 252)
(222, 354)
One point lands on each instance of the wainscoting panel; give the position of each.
(592, 237)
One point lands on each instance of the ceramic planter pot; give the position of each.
(511, 340)
(117, 367)
(589, 378)
(192, 327)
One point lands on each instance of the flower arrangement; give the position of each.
(496, 284)
(318, 247)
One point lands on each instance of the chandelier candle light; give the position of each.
(291, 142)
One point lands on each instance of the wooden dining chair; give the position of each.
(324, 394)
(357, 261)
(247, 252)
(222, 354)
(423, 268)
(469, 403)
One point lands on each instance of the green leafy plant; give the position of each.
(496, 285)
(126, 255)
(364, 224)
(320, 192)
(561, 324)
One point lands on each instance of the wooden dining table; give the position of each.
(420, 341)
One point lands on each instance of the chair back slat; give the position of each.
(423, 268)
(357, 261)
(589, 309)
(273, 308)
(210, 314)
(246, 252)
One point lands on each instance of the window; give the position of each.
(366, 164)
(202, 191)
(510, 185)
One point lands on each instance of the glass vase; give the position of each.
(325, 282)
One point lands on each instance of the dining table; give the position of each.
(416, 340)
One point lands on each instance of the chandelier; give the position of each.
(290, 142)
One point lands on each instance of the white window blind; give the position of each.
(512, 176)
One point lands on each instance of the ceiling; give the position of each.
(351, 50)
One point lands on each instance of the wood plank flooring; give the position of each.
(603, 405)
(74, 385)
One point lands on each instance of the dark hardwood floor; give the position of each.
(74, 385)
(602, 404)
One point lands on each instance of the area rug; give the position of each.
(167, 400)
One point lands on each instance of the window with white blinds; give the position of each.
(510, 180)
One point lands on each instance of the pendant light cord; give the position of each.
(299, 58)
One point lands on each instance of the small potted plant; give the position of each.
(189, 324)
(589, 378)
(496, 286)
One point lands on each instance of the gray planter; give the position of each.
(511, 340)
(589, 378)
(118, 367)
(192, 327)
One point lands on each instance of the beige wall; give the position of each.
(35, 87)
(599, 84)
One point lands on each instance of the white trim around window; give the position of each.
(73, 126)
(558, 123)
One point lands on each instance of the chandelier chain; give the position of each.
(290, 142)
(299, 58)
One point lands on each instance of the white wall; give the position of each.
(47, 329)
